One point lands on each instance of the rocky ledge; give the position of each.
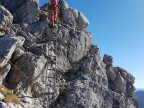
(83, 80)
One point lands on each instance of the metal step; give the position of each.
(50, 77)
(52, 56)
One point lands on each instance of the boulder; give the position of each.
(3, 73)
(8, 45)
(119, 85)
(72, 16)
(6, 19)
(108, 60)
(22, 10)
(78, 45)
(82, 21)
(111, 74)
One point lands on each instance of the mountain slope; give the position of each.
(34, 57)
(140, 95)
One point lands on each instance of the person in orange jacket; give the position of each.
(53, 8)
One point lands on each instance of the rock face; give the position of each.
(22, 10)
(27, 50)
(6, 19)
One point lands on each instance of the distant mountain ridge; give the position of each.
(139, 89)
(140, 94)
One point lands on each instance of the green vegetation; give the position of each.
(9, 96)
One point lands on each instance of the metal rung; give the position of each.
(51, 69)
(52, 56)
(50, 93)
(52, 61)
(52, 39)
(50, 77)
(48, 85)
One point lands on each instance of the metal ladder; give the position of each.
(50, 75)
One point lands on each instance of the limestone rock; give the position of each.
(6, 19)
(93, 68)
(79, 42)
(1, 97)
(82, 21)
(108, 60)
(17, 54)
(22, 10)
(119, 85)
(8, 45)
(111, 74)
(3, 73)
(9, 105)
(72, 17)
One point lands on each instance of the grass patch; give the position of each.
(9, 96)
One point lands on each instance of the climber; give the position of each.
(53, 8)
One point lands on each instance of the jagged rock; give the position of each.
(130, 90)
(108, 60)
(1, 97)
(119, 85)
(93, 68)
(127, 76)
(79, 95)
(82, 79)
(17, 54)
(3, 73)
(26, 70)
(72, 16)
(6, 19)
(9, 105)
(79, 42)
(111, 74)
(22, 10)
(8, 45)
(82, 21)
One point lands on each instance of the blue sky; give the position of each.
(117, 27)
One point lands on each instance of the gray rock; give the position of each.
(93, 68)
(17, 54)
(3, 73)
(82, 21)
(111, 74)
(108, 60)
(6, 19)
(72, 17)
(1, 97)
(126, 75)
(9, 105)
(79, 45)
(6, 16)
(22, 10)
(8, 46)
(119, 85)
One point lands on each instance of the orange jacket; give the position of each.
(53, 2)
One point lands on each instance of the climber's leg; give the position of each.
(55, 15)
(52, 18)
